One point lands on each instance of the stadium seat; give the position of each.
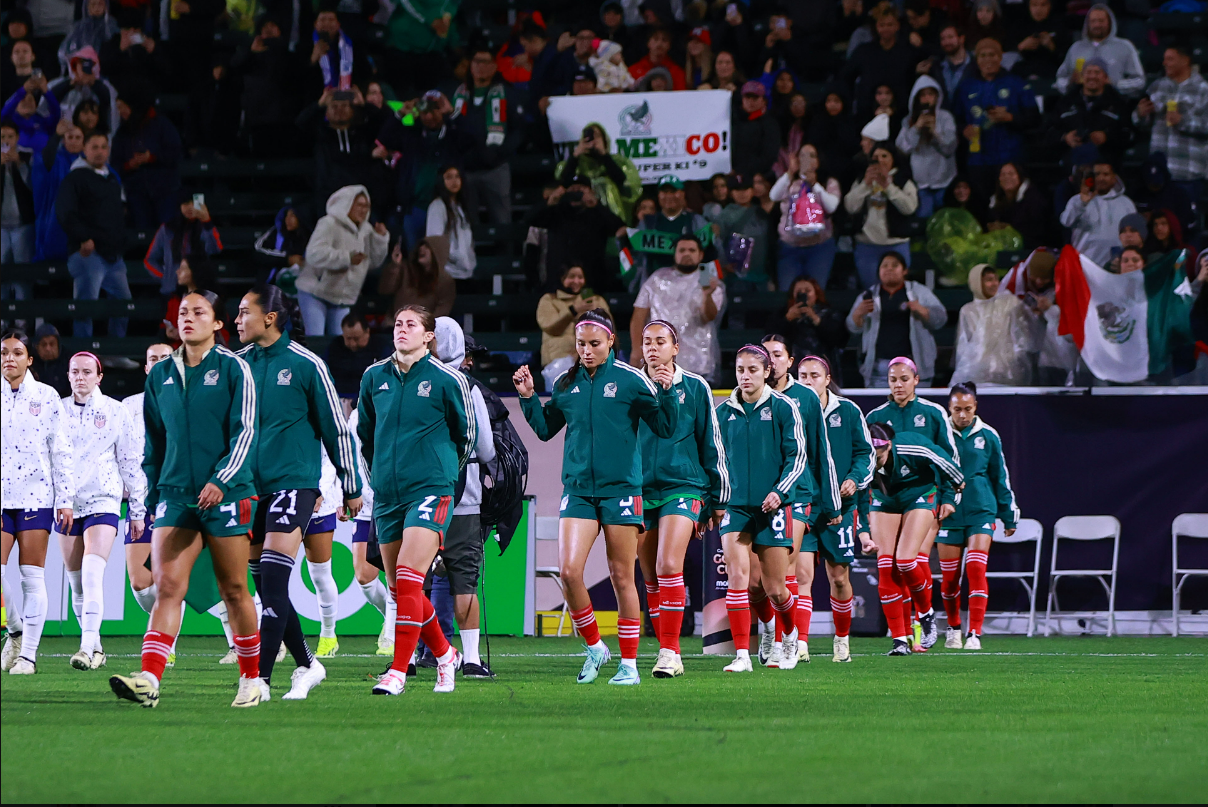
(1187, 525)
(1084, 528)
(1028, 529)
(555, 573)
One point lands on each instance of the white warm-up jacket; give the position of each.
(108, 456)
(36, 468)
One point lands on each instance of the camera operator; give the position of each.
(614, 177)
(579, 228)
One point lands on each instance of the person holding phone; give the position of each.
(555, 313)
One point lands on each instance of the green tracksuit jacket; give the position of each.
(201, 428)
(765, 449)
(601, 457)
(417, 429)
(915, 461)
(692, 460)
(825, 502)
(852, 451)
(987, 480)
(299, 411)
(921, 417)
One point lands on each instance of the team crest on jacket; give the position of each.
(610, 390)
(211, 379)
(682, 396)
(979, 442)
(99, 420)
(765, 414)
(425, 389)
(284, 377)
(835, 420)
(35, 408)
(920, 421)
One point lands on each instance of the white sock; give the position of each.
(146, 597)
(448, 656)
(220, 611)
(92, 570)
(375, 593)
(599, 645)
(765, 627)
(33, 590)
(743, 654)
(11, 609)
(76, 585)
(391, 615)
(469, 645)
(631, 663)
(328, 595)
(182, 626)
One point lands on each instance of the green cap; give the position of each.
(673, 181)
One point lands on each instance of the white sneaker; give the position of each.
(767, 640)
(952, 639)
(230, 658)
(251, 691)
(444, 673)
(788, 651)
(739, 664)
(98, 659)
(392, 683)
(81, 660)
(774, 657)
(304, 680)
(803, 651)
(23, 667)
(842, 648)
(668, 664)
(266, 694)
(973, 642)
(12, 651)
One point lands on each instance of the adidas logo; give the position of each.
(732, 417)
(169, 381)
(920, 500)
(283, 520)
(384, 386)
(683, 505)
(576, 389)
(626, 512)
(270, 612)
(233, 523)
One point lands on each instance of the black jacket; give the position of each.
(579, 236)
(1029, 215)
(345, 156)
(756, 142)
(270, 85)
(422, 153)
(1039, 62)
(870, 66)
(1107, 112)
(89, 206)
(826, 339)
(473, 121)
(347, 366)
(22, 187)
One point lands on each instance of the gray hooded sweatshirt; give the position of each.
(451, 350)
(932, 160)
(1096, 224)
(1123, 64)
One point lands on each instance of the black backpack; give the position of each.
(504, 478)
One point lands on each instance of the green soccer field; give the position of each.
(1070, 719)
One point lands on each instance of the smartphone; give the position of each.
(781, 22)
(199, 200)
(1029, 300)
(803, 298)
(36, 73)
(136, 39)
(704, 277)
(867, 295)
(587, 293)
(1089, 183)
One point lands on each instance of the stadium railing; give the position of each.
(1084, 528)
(1186, 525)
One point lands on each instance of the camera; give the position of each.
(573, 197)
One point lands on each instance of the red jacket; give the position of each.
(641, 68)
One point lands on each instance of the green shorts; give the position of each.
(625, 511)
(836, 542)
(432, 512)
(982, 524)
(917, 498)
(687, 506)
(803, 513)
(221, 521)
(766, 529)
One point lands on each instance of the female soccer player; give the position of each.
(600, 400)
(852, 454)
(765, 449)
(367, 575)
(39, 487)
(317, 541)
(108, 457)
(417, 430)
(300, 415)
(987, 495)
(684, 479)
(200, 415)
(914, 487)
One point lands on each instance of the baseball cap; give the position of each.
(702, 33)
(738, 182)
(671, 180)
(754, 88)
(430, 100)
(584, 73)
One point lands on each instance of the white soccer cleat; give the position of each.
(230, 658)
(668, 664)
(304, 680)
(12, 651)
(81, 660)
(140, 687)
(767, 641)
(952, 639)
(444, 673)
(973, 642)
(23, 667)
(392, 683)
(250, 693)
(774, 657)
(266, 694)
(739, 664)
(98, 659)
(803, 651)
(842, 648)
(788, 651)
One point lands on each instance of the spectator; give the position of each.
(1133, 230)
(93, 30)
(744, 235)
(614, 177)
(1017, 204)
(993, 336)
(1093, 112)
(267, 68)
(418, 37)
(52, 21)
(726, 75)
(754, 132)
(1094, 215)
(676, 294)
(132, 54)
(49, 168)
(612, 28)
(995, 110)
(147, 152)
(87, 116)
(881, 205)
(583, 48)
(812, 327)
(344, 133)
(334, 61)
(89, 207)
(960, 194)
(657, 79)
(805, 254)
(192, 273)
(50, 365)
(833, 132)
(891, 60)
(349, 357)
(924, 24)
(190, 30)
(1041, 41)
(719, 197)
(793, 126)
(1180, 127)
(1099, 39)
(17, 217)
(584, 81)
(888, 106)
(1165, 235)
(1158, 191)
(987, 24)
(673, 218)
(447, 217)
(955, 65)
(803, 42)
(556, 313)
(190, 232)
(930, 140)
(896, 317)
(611, 73)
(17, 63)
(580, 229)
(284, 246)
(484, 107)
(551, 68)
(82, 83)
(343, 249)
(421, 280)
(698, 65)
(22, 110)
(658, 46)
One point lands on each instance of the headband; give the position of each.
(92, 356)
(670, 328)
(906, 361)
(818, 359)
(585, 322)
(879, 443)
(756, 349)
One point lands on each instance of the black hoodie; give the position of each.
(89, 207)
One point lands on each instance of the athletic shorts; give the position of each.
(84, 522)
(35, 518)
(686, 506)
(623, 511)
(321, 524)
(463, 553)
(766, 529)
(982, 524)
(916, 498)
(284, 511)
(149, 525)
(362, 531)
(801, 514)
(223, 520)
(432, 512)
(837, 542)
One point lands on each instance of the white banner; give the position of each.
(686, 134)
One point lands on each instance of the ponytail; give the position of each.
(964, 388)
(289, 315)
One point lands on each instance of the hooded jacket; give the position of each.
(37, 470)
(610, 76)
(932, 160)
(1096, 224)
(451, 350)
(88, 32)
(402, 280)
(1123, 64)
(329, 273)
(1106, 112)
(992, 339)
(614, 177)
(90, 207)
(101, 91)
(922, 342)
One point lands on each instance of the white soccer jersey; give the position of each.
(108, 456)
(366, 513)
(329, 487)
(138, 427)
(36, 469)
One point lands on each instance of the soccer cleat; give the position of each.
(900, 648)
(328, 647)
(774, 657)
(916, 632)
(476, 671)
(392, 683)
(767, 641)
(626, 676)
(591, 666)
(304, 680)
(98, 659)
(23, 667)
(972, 641)
(138, 687)
(385, 642)
(266, 694)
(445, 671)
(230, 658)
(427, 660)
(668, 665)
(411, 668)
(11, 652)
(788, 651)
(171, 659)
(281, 652)
(842, 649)
(81, 660)
(930, 631)
(803, 651)
(250, 693)
(952, 639)
(739, 664)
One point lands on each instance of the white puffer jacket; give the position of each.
(329, 273)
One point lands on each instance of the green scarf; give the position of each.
(496, 110)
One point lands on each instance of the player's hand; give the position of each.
(834, 521)
(772, 502)
(847, 489)
(716, 519)
(66, 519)
(211, 495)
(945, 511)
(352, 507)
(137, 528)
(664, 377)
(522, 379)
(1009, 532)
(867, 545)
(318, 504)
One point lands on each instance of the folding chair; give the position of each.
(1028, 529)
(1187, 525)
(555, 573)
(1085, 528)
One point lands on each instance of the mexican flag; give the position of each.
(1124, 325)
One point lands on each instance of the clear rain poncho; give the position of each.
(992, 339)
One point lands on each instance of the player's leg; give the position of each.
(950, 587)
(327, 593)
(368, 578)
(279, 621)
(12, 608)
(839, 575)
(674, 534)
(648, 550)
(762, 606)
(463, 556)
(885, 527)
(979, 591)
(805, 564)
(230, 554)
(575, 539)
(924, 560)
(418, 550)
(775, 563)
(97, 544)
(71, 547)
(915, 526)
(736, 548)
(31, 546)
(621, 543)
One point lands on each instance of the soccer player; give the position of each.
(914, 487)
(367, 575)
(200, 415)
(417, 431)
(300, 415)
(987, 495)
(765, 449)
(38, 491)
(684, 479)
(853, 456)
(108, 458)
(600, 400)
(317, 542)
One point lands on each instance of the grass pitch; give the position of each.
(1069, 719)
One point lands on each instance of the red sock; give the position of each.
(409, 615)
(156, 647)
(247, 648)
(585, 623)
(671, 610)
(891, 596)
(805, 611)
(784, 613)
(762, 607)
(430, 631)
(841, 615)
(790, 582)
(979, 592)
(916, 579)
(652, 607)
(738, 609)
(628, 633)
(950, 590)
(924, 562)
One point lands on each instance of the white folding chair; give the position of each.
(1187, 525)
(1028, 529)
(1085, 528)
(555, 573)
